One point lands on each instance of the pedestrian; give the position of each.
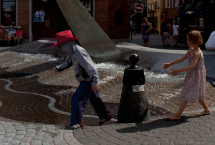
(162, 25)
(175, 28)
(86, 75)
(210, 44)
(194, 83)
(11, 33)
(166, 34)
(146, 27)
(134, 28)
(19, 35)
(1, 32)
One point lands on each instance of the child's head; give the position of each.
(194, 38)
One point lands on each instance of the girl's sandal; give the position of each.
(204, 113)
(172, 117)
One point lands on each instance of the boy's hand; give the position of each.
(95, 88)
(174, 72)
(166, 66)
(55, 69)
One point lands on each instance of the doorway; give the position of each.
(47, 19)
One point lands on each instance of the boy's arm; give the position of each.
(87, 63)
(68, 63)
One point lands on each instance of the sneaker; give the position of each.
(168, 44)
(105, 120)
(75, 126)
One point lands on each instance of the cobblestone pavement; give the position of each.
(190, 130)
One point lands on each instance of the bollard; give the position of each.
(133, 105)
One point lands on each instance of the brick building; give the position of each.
(111, 15)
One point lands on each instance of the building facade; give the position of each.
(191, 15)
(154, 14)
(42, 19)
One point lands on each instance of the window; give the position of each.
(88, 4)
(175, 3)
(149, 6)
(119, 18)
(8, 12)
(167, 3)
(155, 7)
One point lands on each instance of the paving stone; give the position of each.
(15, 141)
(7, 139)
(36, 142)
(26, 139)
(48, 143)
(167, 143)
(58, 137)
(19, 127)
(4, 143)
(69, 138)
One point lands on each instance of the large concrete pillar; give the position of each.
(83, 25)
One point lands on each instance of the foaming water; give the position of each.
(110, 65)
(32, 57)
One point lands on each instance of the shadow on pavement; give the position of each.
(160, 123)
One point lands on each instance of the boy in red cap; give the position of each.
(86, 74)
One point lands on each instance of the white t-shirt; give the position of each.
(211, 43)
(175, 30)
(11, 31)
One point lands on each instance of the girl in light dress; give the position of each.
(194, 83)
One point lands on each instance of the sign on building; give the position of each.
(138, 8)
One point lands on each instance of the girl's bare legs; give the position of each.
(177, 115)
(206, 109)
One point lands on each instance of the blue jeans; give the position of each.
(80, 98)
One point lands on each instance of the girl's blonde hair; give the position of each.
(195, 37)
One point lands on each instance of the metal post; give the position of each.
(133, 105)
(131, 29)
(30, 21)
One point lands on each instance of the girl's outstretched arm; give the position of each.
(190, 67)
(179, 60)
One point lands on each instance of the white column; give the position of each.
(30, 20)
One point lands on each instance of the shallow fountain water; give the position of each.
(163, 90)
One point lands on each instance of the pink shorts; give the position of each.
(175, 37)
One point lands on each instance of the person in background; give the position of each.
(19, 35)
(166, 34)
(175, 28)
(134, 28)
(195, 80)
(86, 74)
(210, 44)
(146, 27)
(11, 33)
(1, 32)
(162, 25)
